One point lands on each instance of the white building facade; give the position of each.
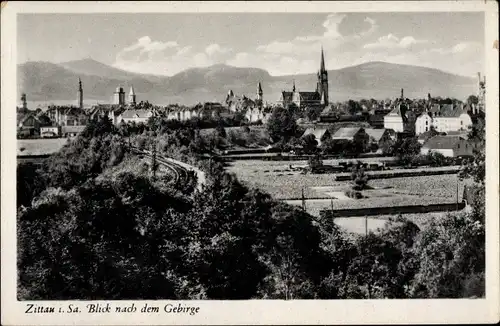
(394, 120)
(446, 120)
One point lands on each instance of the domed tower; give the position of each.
(131, 96)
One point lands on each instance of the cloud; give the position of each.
(301, 54)
(146, 45)
(330, 39)
(214, 49)
(391, 41)
(167, 58)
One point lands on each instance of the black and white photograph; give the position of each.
(199, 156)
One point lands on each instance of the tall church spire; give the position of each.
(293, 89)
(259, 91)
(322, 60)
(322, 86)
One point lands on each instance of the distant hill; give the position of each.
(49, 82)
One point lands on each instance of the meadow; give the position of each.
(283, 182)
(42, 146)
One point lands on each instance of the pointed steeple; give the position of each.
(259, 89)
(322, 67)
(131, 96)
(322, 86)
(293, 89)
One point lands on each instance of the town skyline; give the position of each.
(273, 42)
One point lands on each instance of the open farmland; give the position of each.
(47, 146)
(323, 192)
(281, 182)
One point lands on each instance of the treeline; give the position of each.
(134, 238)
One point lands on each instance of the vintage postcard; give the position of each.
(192, 163)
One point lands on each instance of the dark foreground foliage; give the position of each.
(130, 237)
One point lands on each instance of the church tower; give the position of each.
(80, 94)
(24, 102)
(259, 95)
(322, 86)
(119, 96)
(131, 96)
(259, 92)
(481, 96)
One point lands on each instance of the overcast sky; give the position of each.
(280, 43)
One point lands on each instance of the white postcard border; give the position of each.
(253, 311)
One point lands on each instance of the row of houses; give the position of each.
(360, 135)
(60, 121)
(453, 144)
(442, 118)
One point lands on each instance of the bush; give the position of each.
(359, 177)
(354, 194)
(315, 163)
(436, 159)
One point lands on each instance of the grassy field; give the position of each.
(322, 191)
(42, 146)
(281, 182)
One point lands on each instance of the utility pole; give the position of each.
(153, 160)
(457, 192)
(366, 225)
(303, 200)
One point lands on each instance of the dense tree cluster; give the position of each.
(85, 237)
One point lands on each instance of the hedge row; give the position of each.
(402, 173)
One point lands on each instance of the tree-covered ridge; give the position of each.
(83, 236)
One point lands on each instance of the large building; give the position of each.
(237, 103)
(450, 146)
(316, 98)
(444, 118)
(396, 119)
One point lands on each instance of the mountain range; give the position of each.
(45, 82)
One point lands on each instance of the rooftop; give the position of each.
(346, 133)
(443, 142)
(375, 133)
(317, 132)
(133, 113)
